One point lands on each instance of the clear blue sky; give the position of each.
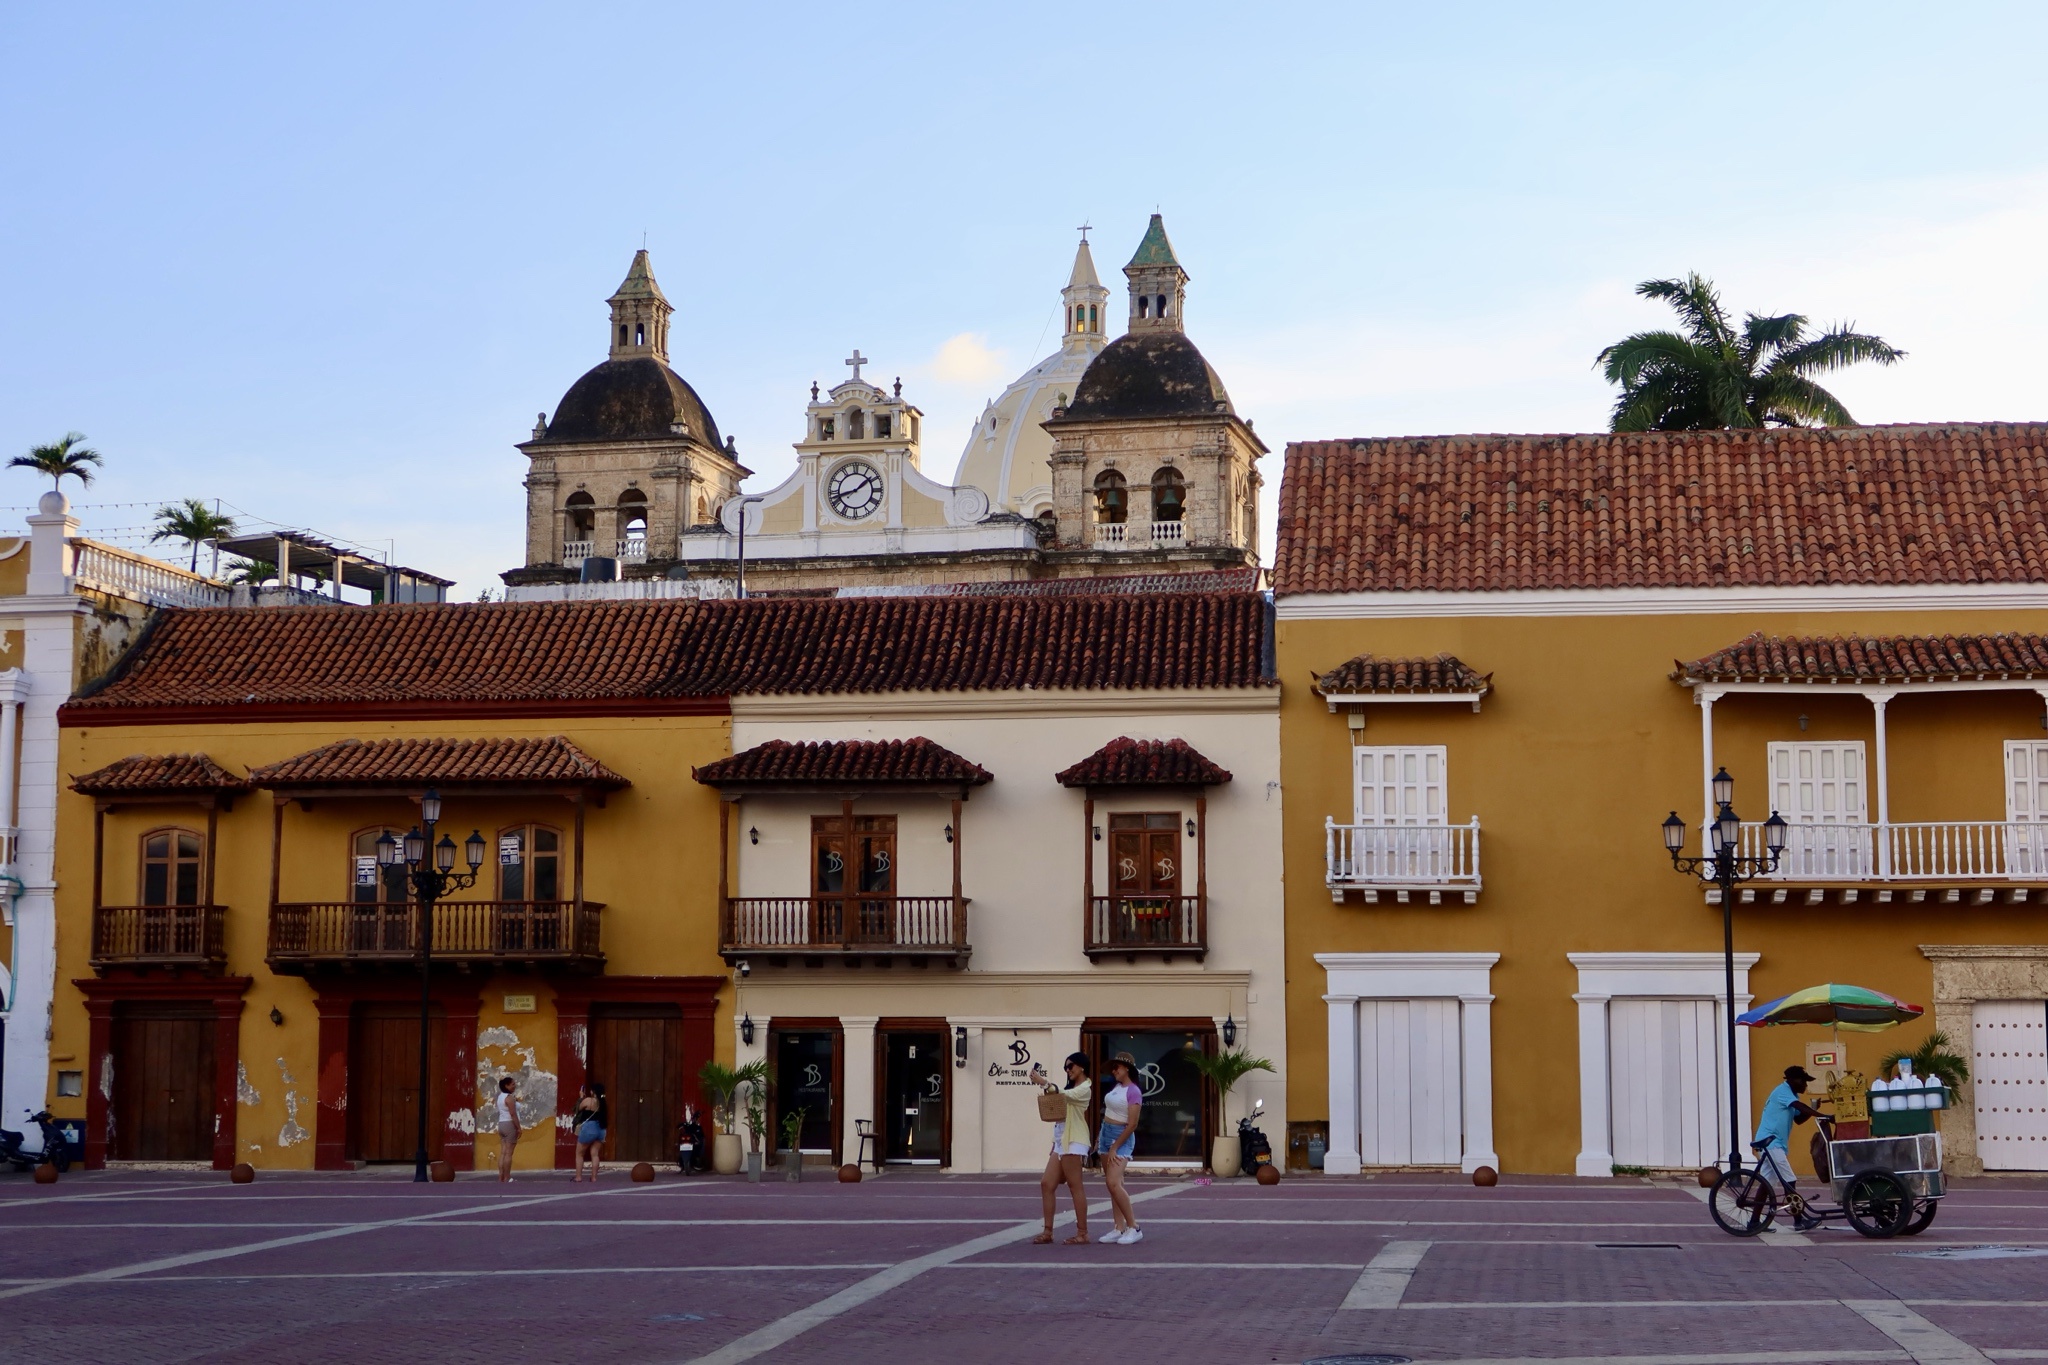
(327, 262)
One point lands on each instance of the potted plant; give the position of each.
(722, 1086)
(753, 1106)
(1224, 1070)
(1933, 1058)
(792, 1138)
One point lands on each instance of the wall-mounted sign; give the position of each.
(509, 854)
(520, 1004)
(366, 869)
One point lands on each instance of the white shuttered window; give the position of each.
(1399, 786)
(1820, 790)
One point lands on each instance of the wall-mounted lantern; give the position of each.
(1229, 1030)
(747, 1029)
(959, 1046)
(1191, 829)
(949, 834)
(753, 834)
(277, 1016)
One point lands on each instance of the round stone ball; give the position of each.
(1708, 1175)
(849, 1174)
(46, 1174)
(643, 1173)
(1268, 1175)
(442, 1172)
(1486, 1177)
(243, 1174)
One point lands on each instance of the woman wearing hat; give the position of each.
(1121, 1099)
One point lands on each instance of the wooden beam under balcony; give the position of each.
(311, 936)
(849, 928)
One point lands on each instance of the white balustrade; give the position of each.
(1912, 851)
(1169, 533)
(633, 550)
(104, 568)
(574, 552)
(1428, 857)
(1111, 534)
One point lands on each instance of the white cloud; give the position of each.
(967, 359)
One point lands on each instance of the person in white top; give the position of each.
(508, 1128)
(1121, 1100)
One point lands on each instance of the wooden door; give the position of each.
(384, 1084)
(637, 1055)
(163, 1085)
(1665, 1067)
(1411, 1093)
(2026, 806)
(2009, 1063)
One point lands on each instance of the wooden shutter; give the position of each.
(1410, 1083)
(1399, 786)
(1668, 1087)
(1819, 788)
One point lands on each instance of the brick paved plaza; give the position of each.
(131, 1266)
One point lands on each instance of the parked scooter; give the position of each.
(54, 1151)
(692, 1156)
(1255, 1150)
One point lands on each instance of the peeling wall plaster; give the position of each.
(535, 1087)
(291, 1134)
(245, 1093)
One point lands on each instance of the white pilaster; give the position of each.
(1343, 1158)
(857, 1070)
(967, 1092)
(1596, 1096)
(1476, 1020)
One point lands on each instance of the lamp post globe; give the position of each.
(1724, 787)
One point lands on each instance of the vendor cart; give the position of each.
(1883, 1187)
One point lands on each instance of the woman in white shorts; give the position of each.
(1069, 1148)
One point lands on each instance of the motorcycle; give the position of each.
(692, 1155)
(55, 1150)
(1255, 1150)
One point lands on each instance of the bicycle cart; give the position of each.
(1883, 1187)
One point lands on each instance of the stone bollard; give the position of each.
(46, 1174)
(441, 1172)
(243, 1174)
(1486, 1177)
(1708, 1175)
(849, 1174)
(1268, 1175)
(643, 1173)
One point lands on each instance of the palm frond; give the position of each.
(1772, 334)
(1624, 362)
(1838, 348)
(1795, 400)
(1697, 304)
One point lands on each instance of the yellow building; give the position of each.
(1507, 658)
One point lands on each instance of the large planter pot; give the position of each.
(793, 1166)
(1226, 1157)
(754, 1166)
(726, 1153)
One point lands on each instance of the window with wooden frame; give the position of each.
(530, 863)
(370, 883)
(1145, 861)
(171, 862)
(870, 851)
(1398, 786)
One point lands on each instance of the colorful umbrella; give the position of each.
(1856, 1008)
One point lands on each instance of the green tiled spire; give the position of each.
(1155, 249)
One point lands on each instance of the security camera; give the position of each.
(746, 969)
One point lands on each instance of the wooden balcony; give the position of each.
(1951, 862)
(1404, 861)
(1161, 926)
(919, 928)
(192, 936)
(308, 936)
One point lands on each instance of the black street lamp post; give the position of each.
(429, 882)
(1727, 869)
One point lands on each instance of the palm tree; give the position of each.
(254, 572)
(1708, 375)
(191, 521)
(1224, 1070)
(1934, 1058)
(61, 460)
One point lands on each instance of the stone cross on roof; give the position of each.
(857, 361)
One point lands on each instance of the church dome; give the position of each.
(1149, 374)
(634, 399)
(1008, 455)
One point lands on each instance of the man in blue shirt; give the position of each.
(1773, 1141)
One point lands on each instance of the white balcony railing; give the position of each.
(633, 550)
(111, 570)
(1169, 533)
(1111, 533)
(1401, 858)
(574, 552)
(1918, 851)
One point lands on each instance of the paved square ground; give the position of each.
(133, 1266)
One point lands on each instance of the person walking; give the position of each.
(593, 1117)
(1121, 1100)
(508, 1128)
(1069, 1147)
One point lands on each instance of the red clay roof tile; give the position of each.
(1781, 506)
(1871, 658)
(1366, 673)
(146, 774)
(1127, 762)
(557, 656)
(858, 761)
(552, 761)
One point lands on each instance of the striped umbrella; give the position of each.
(1856, 1008)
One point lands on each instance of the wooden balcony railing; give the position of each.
(1943, 858)
(310, 934)
(927, 926)
(1165, 925)
(159, 936)
(1402, 859)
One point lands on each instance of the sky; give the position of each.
(325, 263)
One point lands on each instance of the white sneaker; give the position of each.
(1114, 1236)
(1131, 1237)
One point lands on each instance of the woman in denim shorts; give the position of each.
(593, 1117)
(1121, 1100)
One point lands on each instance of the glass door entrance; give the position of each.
(914, 1096)
(805, 1067)
(1174, 1120)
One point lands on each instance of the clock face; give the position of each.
(855, 490)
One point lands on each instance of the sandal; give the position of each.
(1042, 1239)
(1077, 1240)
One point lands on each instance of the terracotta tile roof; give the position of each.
(1367, 673)
(147, 774)
(1871, 659)
(553, 761)
(1781, 506)
(1128, 762)
(1203, 580)
(567, 657)
(855, 761)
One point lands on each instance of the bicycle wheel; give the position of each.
(1743, 1203)
(1923, 1215)
(1878, 1204)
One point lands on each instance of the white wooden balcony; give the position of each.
(1404, 861)
(1950, 861)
